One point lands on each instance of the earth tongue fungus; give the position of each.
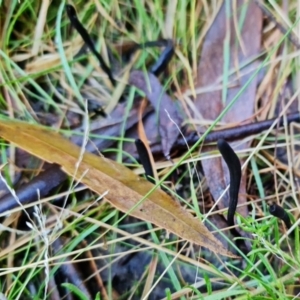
(156, 69)
(279, 212)
(145, 159)
(234, 166)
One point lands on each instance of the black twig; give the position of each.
(237, 132)
(44, 182)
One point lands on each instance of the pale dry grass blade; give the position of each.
(40, 26)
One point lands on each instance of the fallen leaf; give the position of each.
(125, 189)
(54, 176)
(244, 44)
(169, 115)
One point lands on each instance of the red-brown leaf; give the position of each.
(210, 71)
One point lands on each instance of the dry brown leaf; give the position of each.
(244, 45)
(169, 117)
(125, 189)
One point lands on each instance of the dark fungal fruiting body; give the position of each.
(279, 212)
(234, 166)
(145, 159)
(88, 41)
(156, 69)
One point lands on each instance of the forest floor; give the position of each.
(120, 122)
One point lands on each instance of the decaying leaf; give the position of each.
(243, 43)
(169, 116)
(125, 189)
(54, 176)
